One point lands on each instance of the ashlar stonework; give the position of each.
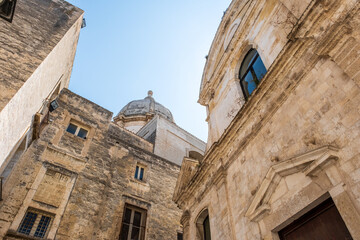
(84, 185)
(275, 156)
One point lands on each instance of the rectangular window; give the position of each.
(133, 224)
(35, 223)
(77, 130)
(179, 236)
(139, 172)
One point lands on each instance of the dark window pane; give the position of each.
(259, 69)
(42, 226)
(245, 65)
(141, 173)
(71, 128)
(127, 215)
(206, 225)
(82, 133)
(137, 172)
(137, 219)
(135, 233)
(179, 236)
(124, 232)
(28, 223)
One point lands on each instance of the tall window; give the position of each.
(203, 225)
(35, 223)
(139, 172)
(206, 225)
(252, 70)
(133, 224)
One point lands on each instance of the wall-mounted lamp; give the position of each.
(7, 9)
(53, 106)
(83, 23)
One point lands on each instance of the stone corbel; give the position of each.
(310, 163)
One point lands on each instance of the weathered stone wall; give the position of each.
(295, 141)
(99, 178)
(36, 56)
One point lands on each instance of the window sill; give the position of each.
(142, 182)
(17, 235)
(77, 137)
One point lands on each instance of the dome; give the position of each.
(145, 107)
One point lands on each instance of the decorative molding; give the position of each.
(310, 163)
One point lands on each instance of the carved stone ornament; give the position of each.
(310, 163)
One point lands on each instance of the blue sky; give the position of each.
(130, 47)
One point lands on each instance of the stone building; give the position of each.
(38, 40)
(68, 170)
(86, 177)
(281, 86)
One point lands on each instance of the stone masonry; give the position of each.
(84, 184)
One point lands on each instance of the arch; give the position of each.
(251, 72)
(203, 225)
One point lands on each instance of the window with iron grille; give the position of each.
(36, 223)
(133, 224)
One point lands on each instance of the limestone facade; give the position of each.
(36, 57)
(84, 184)
(294, 142)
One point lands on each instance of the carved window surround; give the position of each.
(310, 163)
(38, 198)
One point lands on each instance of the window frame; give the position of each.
(36, 223)
(142, 227)
(250, 68)
(79, 127)
(137, 172)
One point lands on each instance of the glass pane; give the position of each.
(206, 225)
(124, 232)
(28, 223)
(82, 133)
(127, 215)
(245, 65)
(137, 219)
(259, 69)
(248, 84)
(42, 226)
(136, 172)
(135, 233)
(71, 128)
(141, 173)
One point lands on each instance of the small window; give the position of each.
(76, 130)
(35, 223)
(133, 224)
(139, 172)
(179, 236)
(252, 70)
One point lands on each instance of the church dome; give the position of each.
(145, 107)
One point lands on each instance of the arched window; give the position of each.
(251, 72)
(203, 226)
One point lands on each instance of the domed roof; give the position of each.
(144, 107)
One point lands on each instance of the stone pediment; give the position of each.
(189, 167)
(310, 163)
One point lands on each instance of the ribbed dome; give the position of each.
(145, 107)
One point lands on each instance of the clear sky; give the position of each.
(130, 47)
